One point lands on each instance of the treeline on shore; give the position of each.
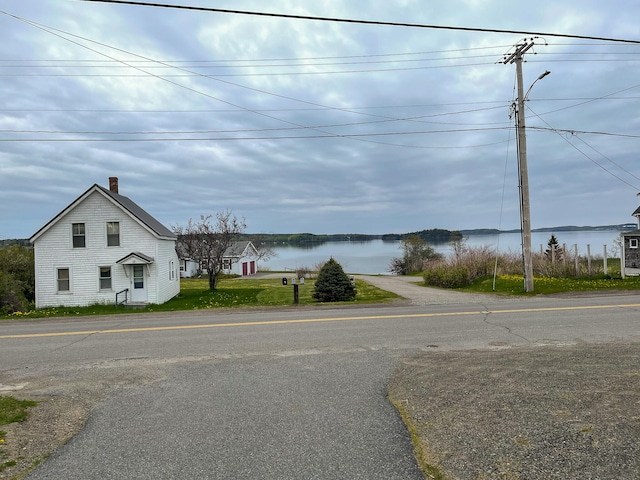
(435, 235)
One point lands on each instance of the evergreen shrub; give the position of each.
(332, 284)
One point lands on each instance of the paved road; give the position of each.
(283, 394)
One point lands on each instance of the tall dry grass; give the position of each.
(466, 264)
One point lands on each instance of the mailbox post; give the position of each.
(296, 296)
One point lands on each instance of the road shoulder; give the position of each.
(551, 412)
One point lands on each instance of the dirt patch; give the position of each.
(50, 424)
(543, 413)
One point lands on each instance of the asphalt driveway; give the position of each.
(299, 416)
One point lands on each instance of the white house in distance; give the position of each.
(239, 259)
(104, 244)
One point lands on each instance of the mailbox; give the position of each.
(284, 280)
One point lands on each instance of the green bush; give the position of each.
(12, 298)
(19, 263)
(446, 276)
(332, 284)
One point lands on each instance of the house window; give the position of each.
(172, 270)
(182, 265)
(633, 243)
(78, 235)
(63, 279)
(113, 234)
(105, 278)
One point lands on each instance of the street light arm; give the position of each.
(542, 75)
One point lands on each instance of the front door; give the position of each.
(139, 290)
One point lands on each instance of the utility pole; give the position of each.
(525, 211)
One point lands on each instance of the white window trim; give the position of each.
(633, 243)
(106, 229)
(109, 289)
(56, 280)
(84, 235)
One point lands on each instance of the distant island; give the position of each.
(434, 235)
(565, 228)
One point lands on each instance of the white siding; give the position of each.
(168, 285)
(53, 250)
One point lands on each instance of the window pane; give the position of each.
(113, 234)
(113, 240)
(63, 279)
(105, 278)
(138, 276)
(78, 235)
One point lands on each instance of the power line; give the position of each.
(365, 22)
(587, 156)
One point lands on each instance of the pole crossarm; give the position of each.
(520, 50)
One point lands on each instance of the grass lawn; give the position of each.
(231, 292)
(514, 284)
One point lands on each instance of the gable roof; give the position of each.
(125, 204)
(135, 258)
(139, 213)
(239, 248)
(636, 213)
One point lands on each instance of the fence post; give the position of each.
(588, 259)
(564, 256)
(605, 260)
(575, 248)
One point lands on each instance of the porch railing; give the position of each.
(122, 296)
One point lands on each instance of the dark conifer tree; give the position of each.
(332, 284)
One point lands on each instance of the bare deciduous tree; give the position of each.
(207, 241)
(416, 252)
(264, 250)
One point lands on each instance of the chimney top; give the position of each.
(113, 184)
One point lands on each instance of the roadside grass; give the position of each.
(514, 285)
(11, 410)
(230, 293)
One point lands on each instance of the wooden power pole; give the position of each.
(525, 211)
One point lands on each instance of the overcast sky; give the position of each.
(317, 126)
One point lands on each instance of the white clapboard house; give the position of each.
(104, 248)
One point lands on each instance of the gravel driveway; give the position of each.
(407, 287)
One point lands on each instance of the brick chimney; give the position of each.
(113, 184)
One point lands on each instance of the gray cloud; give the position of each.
(320, 127)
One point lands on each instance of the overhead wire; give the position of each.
(559, 133)
(358, 137)
(365, 22)
(132, 64)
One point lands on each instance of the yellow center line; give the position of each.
(313, 320)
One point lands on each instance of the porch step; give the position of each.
(135, 304)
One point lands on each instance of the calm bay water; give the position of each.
(374, 257)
